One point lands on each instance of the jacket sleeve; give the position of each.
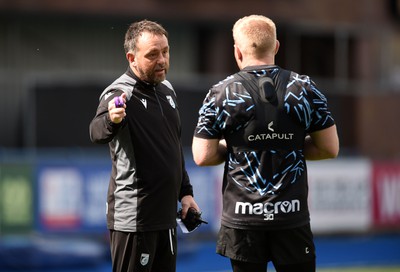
(186, 186)
(101, 129)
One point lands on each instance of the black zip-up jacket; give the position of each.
(148, 174)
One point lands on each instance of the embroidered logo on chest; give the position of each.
(171, 101)
(144, 102)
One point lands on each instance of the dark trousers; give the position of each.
(153, 251)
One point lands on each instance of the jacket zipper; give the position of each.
(158, 101)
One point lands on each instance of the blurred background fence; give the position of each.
(53, 194)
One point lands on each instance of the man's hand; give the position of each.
(117, 114)
(188, 202)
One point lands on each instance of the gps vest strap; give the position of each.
(272, 127)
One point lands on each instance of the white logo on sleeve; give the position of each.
(107, 95)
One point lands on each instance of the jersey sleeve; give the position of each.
(306, 103)
(321, 116)
(227, 107)
(207, 124)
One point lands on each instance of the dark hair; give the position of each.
(137, 28)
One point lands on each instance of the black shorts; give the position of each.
(153, 251)
(282, 247)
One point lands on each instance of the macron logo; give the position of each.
(107, 95)
(144, 102)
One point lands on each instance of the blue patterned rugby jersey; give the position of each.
(265, 177)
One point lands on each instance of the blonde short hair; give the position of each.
(255, 35)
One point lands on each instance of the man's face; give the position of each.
(150, 62)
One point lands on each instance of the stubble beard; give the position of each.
(151, 77)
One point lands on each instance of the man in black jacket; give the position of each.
(138, 117)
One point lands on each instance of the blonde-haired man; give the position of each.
(264, 122)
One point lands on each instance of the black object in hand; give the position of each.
(192, 220)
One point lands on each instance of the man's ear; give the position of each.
(277, 47)
(130, 57)
(238, 54)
